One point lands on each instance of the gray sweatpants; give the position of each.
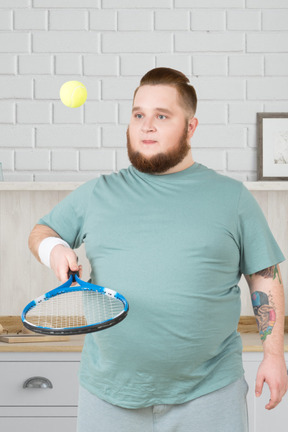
(224, 410)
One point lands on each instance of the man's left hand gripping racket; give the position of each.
(69, 310)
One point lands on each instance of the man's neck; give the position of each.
(187, 162)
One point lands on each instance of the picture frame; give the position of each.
(272, 158)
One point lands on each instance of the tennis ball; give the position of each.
(73, 94)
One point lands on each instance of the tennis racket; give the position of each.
(77, 309)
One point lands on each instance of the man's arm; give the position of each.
(61, 258)
(267, 295)
(39, 233)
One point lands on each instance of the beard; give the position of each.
(161, 162)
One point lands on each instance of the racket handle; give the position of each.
(73, 273)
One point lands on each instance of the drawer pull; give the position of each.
(37, 382)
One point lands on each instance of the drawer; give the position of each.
(62, 375)
(38, 424)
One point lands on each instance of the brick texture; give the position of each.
(233, 51)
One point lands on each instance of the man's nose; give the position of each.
(148, 125)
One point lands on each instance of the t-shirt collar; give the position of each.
(165, 177)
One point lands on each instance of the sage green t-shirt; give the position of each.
(175, 246)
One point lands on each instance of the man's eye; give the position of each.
(162, 117)
(139, 116)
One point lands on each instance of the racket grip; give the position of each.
(73, 273)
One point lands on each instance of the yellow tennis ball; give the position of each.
(73, 94)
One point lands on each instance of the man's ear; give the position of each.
(192, 125)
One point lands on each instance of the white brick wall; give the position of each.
(214, 20)
(78, 20)
(234, 52)
(172, 20)
(32, 160)
(135, 20)
(275, 20)
(97, 160)
(276, 65)
(212, 65)
(30, 19)
(244, 20)
(246, 65)
(64, 160)
(8, 64)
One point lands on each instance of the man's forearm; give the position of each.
(39, 233)
(267, 294)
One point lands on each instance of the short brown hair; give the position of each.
(173, 78)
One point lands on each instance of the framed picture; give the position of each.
(272, 131)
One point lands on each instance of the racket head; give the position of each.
(55, 313)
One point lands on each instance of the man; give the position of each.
(174, 238)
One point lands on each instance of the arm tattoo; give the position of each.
(264, 312)
(269, 272)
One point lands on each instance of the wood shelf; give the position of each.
(69, 186)
(39, 186)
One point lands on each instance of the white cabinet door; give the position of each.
(260, 419)
(63, 377)
(43, 424)
(36, 408)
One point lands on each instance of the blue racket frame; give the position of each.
(66, 288)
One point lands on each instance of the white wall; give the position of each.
(234, 52)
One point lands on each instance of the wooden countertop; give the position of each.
(74, 344)
(251, 343)
(247, 328)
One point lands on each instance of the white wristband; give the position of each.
(46, 247)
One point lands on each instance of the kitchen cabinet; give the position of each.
(39, 391)
(40, 407)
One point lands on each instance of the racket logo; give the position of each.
(41, 298)
(109, 292)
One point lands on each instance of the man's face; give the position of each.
(158, 137)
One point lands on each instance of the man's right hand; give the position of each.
(63, 259)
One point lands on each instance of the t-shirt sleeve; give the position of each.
(68, 216)
(258, 247)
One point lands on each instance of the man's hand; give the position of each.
(273, 371)
(63, 259)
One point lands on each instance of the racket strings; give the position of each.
(75, 309)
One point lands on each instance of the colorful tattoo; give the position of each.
(264, 313)
(276, 272)
(269, 272)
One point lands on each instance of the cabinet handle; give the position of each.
(37, 382)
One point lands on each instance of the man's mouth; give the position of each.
(148, 141)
